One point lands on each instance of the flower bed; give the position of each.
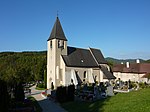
(44, 94)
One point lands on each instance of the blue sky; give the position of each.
(120, 28)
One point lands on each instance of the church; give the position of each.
(70, 65)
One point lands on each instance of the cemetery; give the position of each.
(92, 92)
(109, 100)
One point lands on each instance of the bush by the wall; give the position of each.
(19, 93)
(64, 94)
(70, 93)
(133, 85)
(143, 85)
(61, 94)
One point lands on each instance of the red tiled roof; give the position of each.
(133, 68)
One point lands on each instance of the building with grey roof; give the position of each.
(66, 65)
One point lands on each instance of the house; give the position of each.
(137, 72)
(66, 65)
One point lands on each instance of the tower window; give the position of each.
(61, 44)
(50, 44)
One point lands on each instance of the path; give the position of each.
(46, 105)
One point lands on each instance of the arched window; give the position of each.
(84, 74)
(95, 78)
(51, 44)
(58, 43)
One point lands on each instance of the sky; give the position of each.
(119, 28)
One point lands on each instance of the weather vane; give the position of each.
(57, 13)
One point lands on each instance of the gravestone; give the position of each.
(110, 91)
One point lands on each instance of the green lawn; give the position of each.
(135, 101)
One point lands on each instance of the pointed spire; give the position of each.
(57, 31)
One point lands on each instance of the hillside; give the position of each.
(31, 65)
(26, 66)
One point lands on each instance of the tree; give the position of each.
(27, 66)
(110, 63)
(19, 92)
(45, 78)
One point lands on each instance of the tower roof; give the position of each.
(57, 31)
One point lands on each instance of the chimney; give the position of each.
(137, 61)
(127, 64)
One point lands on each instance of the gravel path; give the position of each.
(47, 105)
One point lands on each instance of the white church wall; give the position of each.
(90, 76)
(97, 75)
(101, 76)
(50, 64)
(63, 71)
(90, 73)
(53, 62)
(80, 71)
(67, 78)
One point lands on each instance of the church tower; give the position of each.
(57, 46)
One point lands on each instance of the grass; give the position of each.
(135, 101)
(35, 103)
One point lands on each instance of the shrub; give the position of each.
(61, 94)
(40, 85)
(3, 96)
(64, 94)
(142, 85)
(90, 88)
(133, 85)
(19, 92)
(70, 93)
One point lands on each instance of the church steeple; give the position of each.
(57, 46)
(57, 31)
